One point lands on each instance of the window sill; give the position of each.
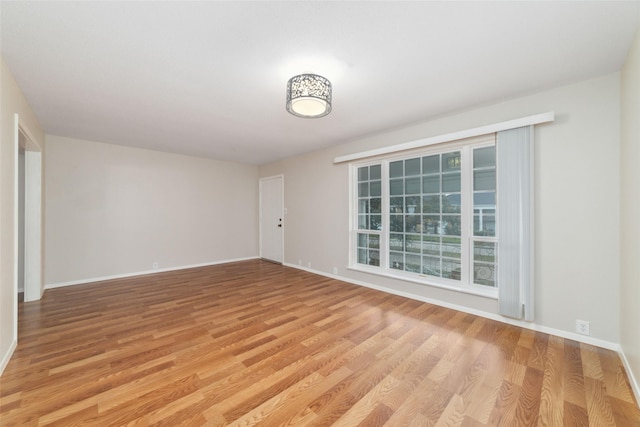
(491, 293)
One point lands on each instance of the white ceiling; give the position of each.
(208, 78)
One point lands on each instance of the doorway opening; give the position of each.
(28, 215)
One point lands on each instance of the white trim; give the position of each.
(16, 213)
(526, 325)
(490, 293)
(453, 136)
(142, 273)
(7, 356)
(632, 380)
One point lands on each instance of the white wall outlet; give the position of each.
(309, 264)
(335, 270)
(286, 211)
(299, 262)
(155, 265)
(582, 327)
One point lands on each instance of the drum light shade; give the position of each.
(309, 96)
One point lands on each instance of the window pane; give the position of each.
(431, 266)
(374, 172)
(431, 224)
(396, 242)
(363, 173)
(484, 274)
(484, 179)
(363, 206)
(431, 184)
(431, 164)
(376, 222)
(451, 183)
(484, 157)
(410, 223)
(395, 169)
(363, 222)
(414, 243)
(375, 205)
(396, 223)
(484, 263)
(374, 258)
(451, 203)
(363, 189)
(484, 251)
(412, 186)
(396, 186)
(412, 204)
(451, 269)
(375, 188)
(431, 245)
(362, 256)
(484, 200)
(374, 241)
(451, 225)
(362, 240)
(396, 205)
(484, 225)
(412, 263)
(431, 204)
(451, 161)
(451, 247)
(412, 167)
(396, 260)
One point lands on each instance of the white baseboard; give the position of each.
(523, 324)
(7, 356)
(142, 273)
(632, 379)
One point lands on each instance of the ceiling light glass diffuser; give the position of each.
(309, 96)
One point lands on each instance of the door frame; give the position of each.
(282, 211)
(32, 256)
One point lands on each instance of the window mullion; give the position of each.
(466, 214)
(384, 233)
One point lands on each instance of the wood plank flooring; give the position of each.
(257, 344)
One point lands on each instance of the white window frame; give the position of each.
(465, 284)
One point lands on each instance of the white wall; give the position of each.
(114, 210)
(630, 219)
(577, 205)
(12, 101)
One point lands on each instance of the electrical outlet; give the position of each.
(582, 327)
(309, 264)
(299, 262)
(335, 270)
(155, 265)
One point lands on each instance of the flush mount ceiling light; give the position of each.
(309, 96)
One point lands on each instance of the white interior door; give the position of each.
(271, 218)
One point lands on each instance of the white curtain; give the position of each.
(514, 157)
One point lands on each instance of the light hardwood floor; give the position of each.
(254, 343)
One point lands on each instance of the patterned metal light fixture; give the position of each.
(309, 96)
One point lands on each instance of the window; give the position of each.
(430, 216)
(369, 214)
